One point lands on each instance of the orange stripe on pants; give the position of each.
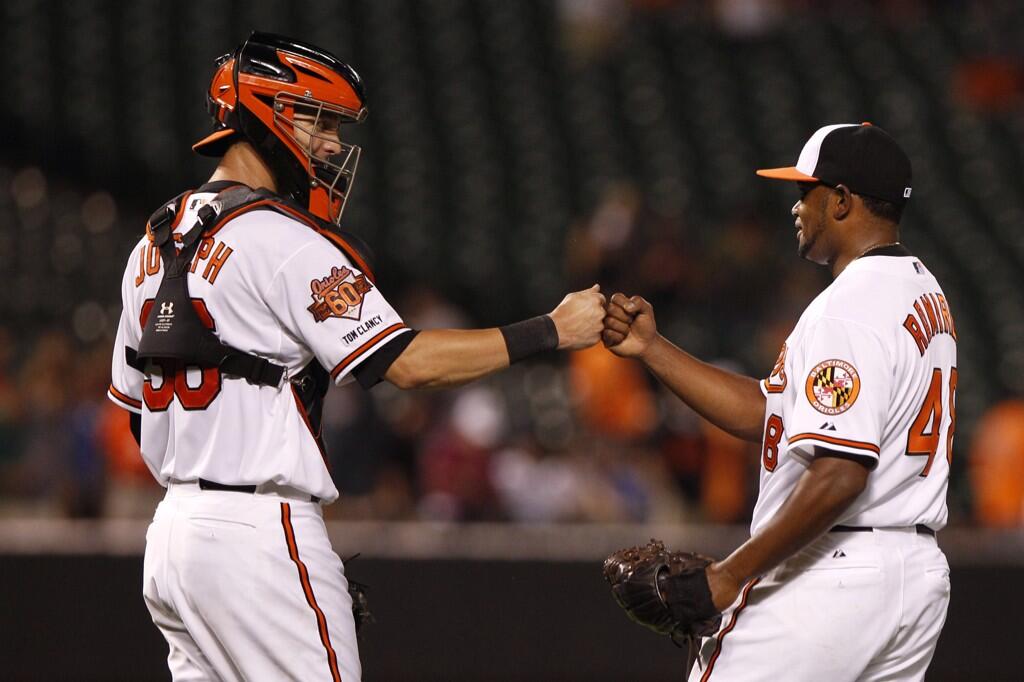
(728, 629)
(307, 588)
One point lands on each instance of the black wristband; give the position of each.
(529, 337)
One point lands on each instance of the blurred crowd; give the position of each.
(584, 437)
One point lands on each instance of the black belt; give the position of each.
(920, 528)
(212, 485)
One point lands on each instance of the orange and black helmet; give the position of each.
(254, 96)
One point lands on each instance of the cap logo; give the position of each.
(906, 192)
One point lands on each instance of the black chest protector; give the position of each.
(174, 330)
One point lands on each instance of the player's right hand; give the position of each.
(578, 318)
(629, 326)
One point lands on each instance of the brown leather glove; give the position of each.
(665, 591)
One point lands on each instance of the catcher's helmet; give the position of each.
(254, 95)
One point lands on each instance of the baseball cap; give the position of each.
(862, 156)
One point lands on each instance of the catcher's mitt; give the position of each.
(665, 591)
(360, 604)
(360, 601)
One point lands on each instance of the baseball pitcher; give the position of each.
(842, 578)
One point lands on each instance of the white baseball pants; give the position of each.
(247, 587)
(860, 606)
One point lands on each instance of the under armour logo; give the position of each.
(838, 554)
(167, 308)
(828, 426)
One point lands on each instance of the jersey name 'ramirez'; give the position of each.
(214, 253)
(929, 317)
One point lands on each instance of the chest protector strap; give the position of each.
(174, 329)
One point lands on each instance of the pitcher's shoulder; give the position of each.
(866, 297)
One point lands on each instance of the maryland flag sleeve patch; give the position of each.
(833, 386)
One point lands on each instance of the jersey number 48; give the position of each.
(925, 433)
(924, 437)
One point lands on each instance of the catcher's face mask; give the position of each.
(314, 128)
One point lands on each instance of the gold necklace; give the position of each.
(876, 246)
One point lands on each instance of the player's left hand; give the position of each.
(663, 590)
(724, 586)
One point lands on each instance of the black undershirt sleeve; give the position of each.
(370, 372)
(866, 461)
(135, 423)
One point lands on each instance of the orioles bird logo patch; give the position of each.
(832, 386)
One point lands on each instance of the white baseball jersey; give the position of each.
(869, 370)
(270, 286)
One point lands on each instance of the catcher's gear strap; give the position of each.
(310, 386)
(355, 249)
(173, 328)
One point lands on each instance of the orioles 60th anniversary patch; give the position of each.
(340, 294)
(832, 386)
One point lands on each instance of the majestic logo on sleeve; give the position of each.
(832, 386)
(340, 294)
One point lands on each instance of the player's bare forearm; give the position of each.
(825, 490)
(443, 358)
(731, 401)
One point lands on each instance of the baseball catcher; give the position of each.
(244, 301)
(665, 591)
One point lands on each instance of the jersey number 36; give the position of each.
(174, 379)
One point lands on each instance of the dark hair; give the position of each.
(883, 209)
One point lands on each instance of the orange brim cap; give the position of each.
(216, 143)
(788, 173)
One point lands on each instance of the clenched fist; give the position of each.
(578, 318)
(629, 326)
